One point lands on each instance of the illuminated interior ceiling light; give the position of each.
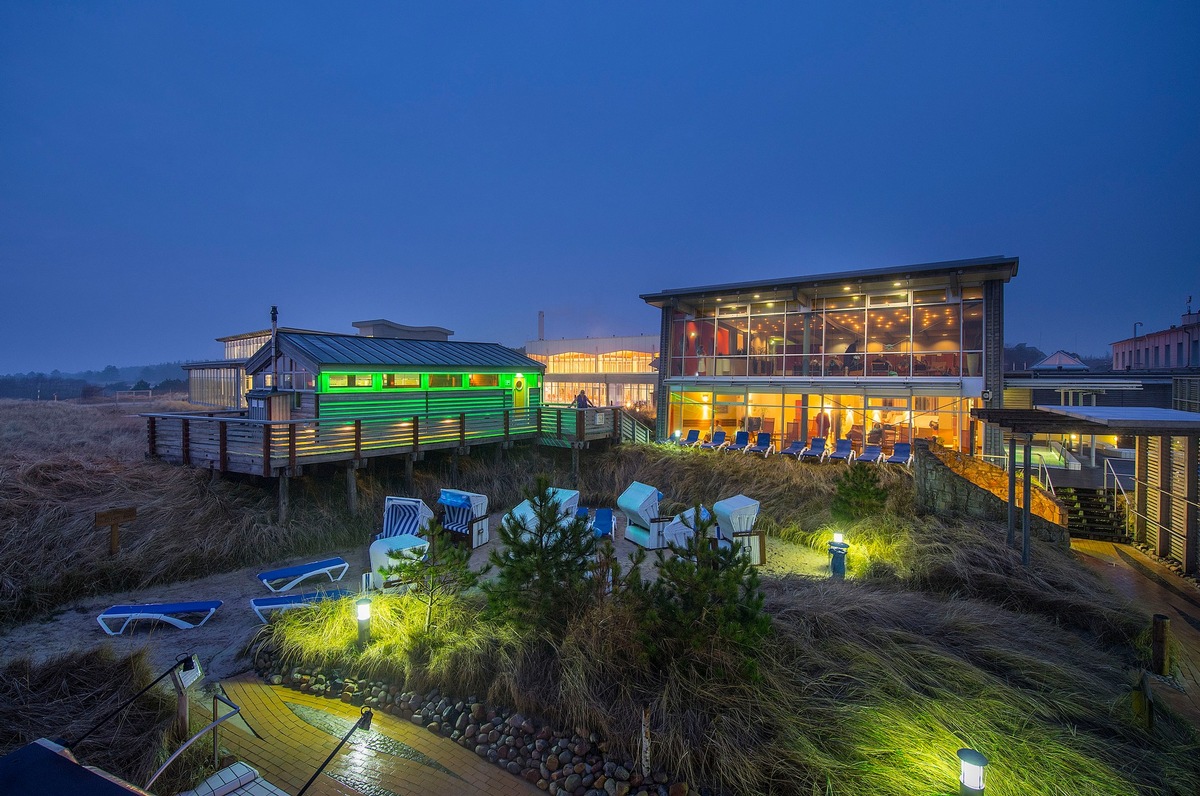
(755, 295)
(846, 289)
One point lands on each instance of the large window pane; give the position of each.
(844, 342)
(888, 347)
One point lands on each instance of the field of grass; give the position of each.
(939, 639)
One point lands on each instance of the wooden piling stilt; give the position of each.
(409, 486)
(352, 487)
(283, 499)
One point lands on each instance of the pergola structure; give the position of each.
(1166, 500)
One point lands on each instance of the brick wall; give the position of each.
(949, 482)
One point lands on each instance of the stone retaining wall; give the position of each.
(949, 482)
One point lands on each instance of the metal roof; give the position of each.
(1136, 420)
(324, 351)
(1006, 265)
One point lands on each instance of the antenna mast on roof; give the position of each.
(542, 324)
(274, 347)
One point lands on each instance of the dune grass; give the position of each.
(939, 639)
(62, 462)
(64, 696)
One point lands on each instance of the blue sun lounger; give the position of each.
(286, 601)
(716, 443)
(762, 445)
(741, 441)
(171, 613)
(794, 450)
(294, 575)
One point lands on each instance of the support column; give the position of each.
(1163, 485)
(1140, 471)
(1025, 507)
(454, 468)
(409, 487)
(1011, 540)
(352, 487)
(574, 465)
(283, 499)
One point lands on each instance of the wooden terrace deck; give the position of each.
(231, 442)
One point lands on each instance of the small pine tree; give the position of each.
(859, 494)
(441, 575)
(545, 574)
(706, 595)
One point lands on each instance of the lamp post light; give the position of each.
(363, 608)
(971, 772)
(837, 557)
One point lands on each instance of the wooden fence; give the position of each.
(231, 442)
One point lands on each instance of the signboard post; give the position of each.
(114, 518)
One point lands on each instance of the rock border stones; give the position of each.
(561, 763)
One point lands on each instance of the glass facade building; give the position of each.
(878, 356)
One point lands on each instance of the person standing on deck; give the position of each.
(581, 401)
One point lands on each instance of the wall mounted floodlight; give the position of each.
(186, 664)
(971, 772)
(363, 609)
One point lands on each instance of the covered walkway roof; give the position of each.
(1136, 420)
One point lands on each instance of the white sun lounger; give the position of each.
(294, 575)
(285, 601)
(171, 613)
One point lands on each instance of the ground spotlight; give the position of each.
(971, 774)
(363, 607)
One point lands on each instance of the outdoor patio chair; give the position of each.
(762, 445)
(872, 454)
(639, 503)
(716, 443)
(794, 449)
(741, 441)
(171, 613)
(465, 515)
(294, 575)
(815, 450)
(582, 513)
(692, 438)
(285, 601)
(404, 515)
(568, 509)
(384, 552)
(901, 454)
(602, 523)
(843, 451)
(673, 439)
(683, 526)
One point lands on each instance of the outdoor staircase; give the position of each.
(1090, 514)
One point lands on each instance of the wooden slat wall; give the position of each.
(1153, 464)
(1179, 514)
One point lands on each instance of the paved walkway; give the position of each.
(292, 733)
(1154, 589)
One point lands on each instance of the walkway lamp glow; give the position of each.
(971, 772)
(839, 538)
(363, 608)
(837, 557)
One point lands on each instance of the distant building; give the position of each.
(223, 382)
(1176, 348)
(1060, 362)
(613, 371)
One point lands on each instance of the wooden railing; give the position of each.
(233, 442)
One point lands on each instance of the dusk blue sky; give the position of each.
(170, 170)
